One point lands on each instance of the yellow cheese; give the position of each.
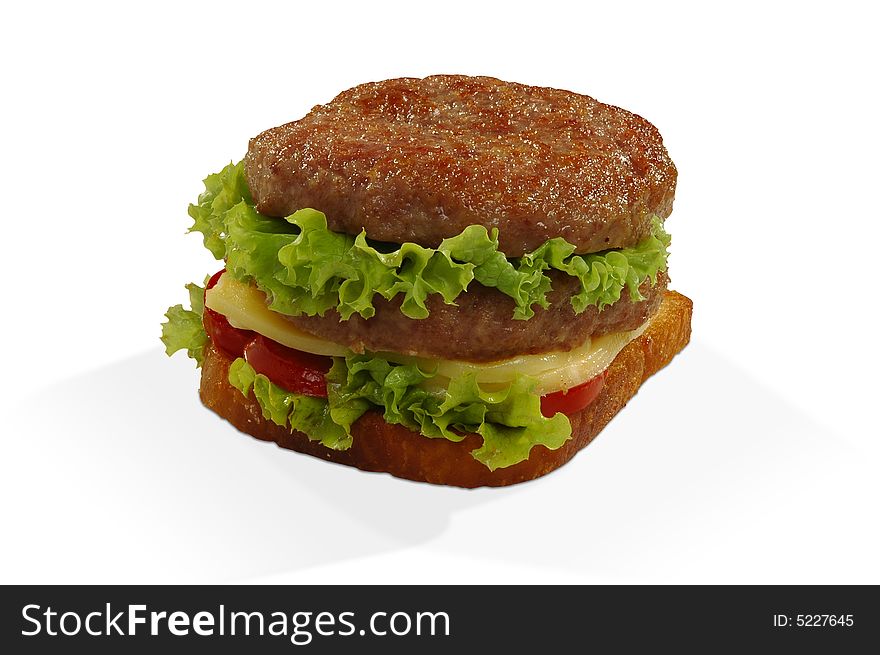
(554, 370)
(245, 307)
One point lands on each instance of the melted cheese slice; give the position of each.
(245, 307)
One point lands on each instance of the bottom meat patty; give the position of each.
(481, 328)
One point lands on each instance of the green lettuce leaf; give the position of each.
(305, 268)
(306, 414)
(223, 191)
(604, 276)
(184, 330)
(509, 420)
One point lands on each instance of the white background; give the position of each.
(753, 458)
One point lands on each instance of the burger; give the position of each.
(455, 280)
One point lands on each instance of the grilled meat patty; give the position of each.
(480, 327)
(421, 159)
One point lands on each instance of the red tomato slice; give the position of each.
(223, 335)
(575, 399)
(290, 369)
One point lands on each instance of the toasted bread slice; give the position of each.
(394, 449)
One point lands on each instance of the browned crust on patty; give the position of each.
(421, 159)
(380, 446)
(480, 327)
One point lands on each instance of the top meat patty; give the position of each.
(421, 159)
